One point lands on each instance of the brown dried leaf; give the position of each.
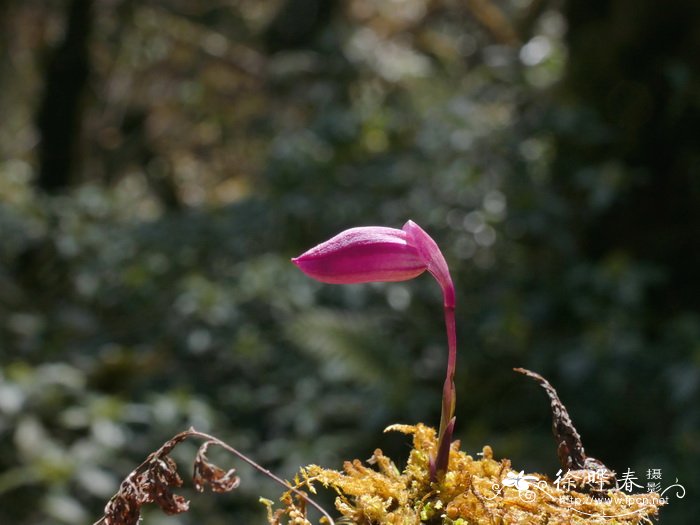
(572, 455)
(125, 506)
(162, 476)
(570, 448)
(206, 473)
(150, 482)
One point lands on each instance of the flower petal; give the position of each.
(433, 259)
(360, 255)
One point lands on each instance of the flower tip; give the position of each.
(297, 261)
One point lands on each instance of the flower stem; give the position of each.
(449, 398)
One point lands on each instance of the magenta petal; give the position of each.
(433, 259)
(360, 255)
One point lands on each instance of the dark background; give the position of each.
(161, 161)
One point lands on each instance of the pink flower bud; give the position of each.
(376, 253)
(361, 255)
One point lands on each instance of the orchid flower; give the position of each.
(376, 253)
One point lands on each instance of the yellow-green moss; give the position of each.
(471, 493)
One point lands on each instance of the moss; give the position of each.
(472, 492)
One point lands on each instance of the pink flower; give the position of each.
(377, 253)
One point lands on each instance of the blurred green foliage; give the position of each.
(550, 149)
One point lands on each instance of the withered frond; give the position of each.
(150, 482)
(206, 473)
(154, 479)
(572, 455)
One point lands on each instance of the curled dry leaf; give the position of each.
(150, 482)
(569, 446)
(162, 475)
(572, 456)
(206, 473)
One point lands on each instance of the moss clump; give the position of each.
(473, 492)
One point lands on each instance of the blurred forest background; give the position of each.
(161, 161)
